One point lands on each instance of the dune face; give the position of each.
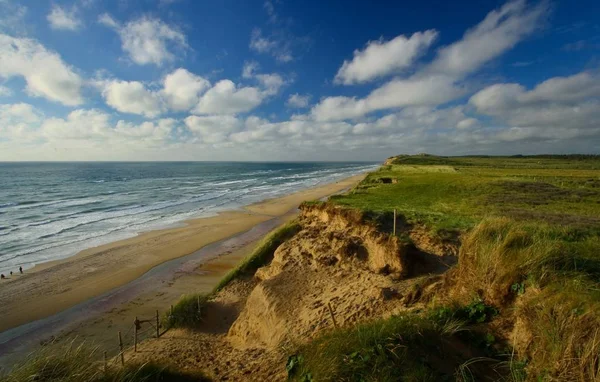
(338, 258)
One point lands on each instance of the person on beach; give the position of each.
(10, 273)
(2, 276)
(21, 270)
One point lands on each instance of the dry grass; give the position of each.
(68, 363)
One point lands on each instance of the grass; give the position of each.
(410, 347)
(262, 254)
(187, 312)
(74, 364)
(530, 247)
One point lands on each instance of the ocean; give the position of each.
(49, 211)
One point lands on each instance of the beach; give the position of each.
(53, 287)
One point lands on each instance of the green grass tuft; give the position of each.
(187, 312)
(261, 255)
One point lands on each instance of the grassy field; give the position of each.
(529, 229)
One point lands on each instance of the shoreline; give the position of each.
(55, 286)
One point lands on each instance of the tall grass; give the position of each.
(262, 254)
(76, 364)
(187, 312)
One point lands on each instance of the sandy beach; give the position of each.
(53, 287)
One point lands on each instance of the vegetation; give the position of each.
(410, 347)
(262, 254)
(530, 235)
(68, 363)
(187, 312)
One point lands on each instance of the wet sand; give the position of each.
(57, 286)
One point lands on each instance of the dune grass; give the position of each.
(530, 233)
(68, 363)
(262, 254)
(187, 312)
(411, 347)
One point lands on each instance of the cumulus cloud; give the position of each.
(95, 128)
(227, 98)
(381, 58)
(558, 107)
(298, 101)
(60, 18)
(182, 89)
(45, 73)
(397, 93)
(147, 40)
(131, 97)
(213, 128)
(440, 81)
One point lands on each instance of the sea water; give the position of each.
(50, 211)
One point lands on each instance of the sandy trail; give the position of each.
(55, 287)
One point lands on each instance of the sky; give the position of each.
(282, 80)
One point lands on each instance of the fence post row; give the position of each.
(332, 316)
(157, 325)
(136, 323)
(121, 349)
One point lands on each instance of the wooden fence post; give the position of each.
(135, 333)
(121, 349)
(157, 325)
(332, 316)
(171, 314)
(394, 222)
(105, 364)
(198, 305)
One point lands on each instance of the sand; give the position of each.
(54, 287)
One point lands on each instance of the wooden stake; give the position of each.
(135, 330)
(332, 316)
(105, 364)
(394, 222)
(157, 325)
(171, 314)
(121, 349)
(198, 305)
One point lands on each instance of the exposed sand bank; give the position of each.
(54, 287)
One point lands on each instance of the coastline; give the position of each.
(56, 286)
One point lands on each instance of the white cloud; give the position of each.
(271, 83)
(147, 40)
(12, 17)
(60, 18)
(226, 98)
(5, 92)
(94, 128)
(182, 89)
(560, 107)
(501, 30)
(298, 101)
(44, 71)
(397, 93)
(18, 121)
(279, 48)
(250, 68)
(441, 80)
(467, 123)
(259, 43)
(213, 128)
(131, 97)
(381, 58)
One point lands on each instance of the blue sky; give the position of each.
(283, 80)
